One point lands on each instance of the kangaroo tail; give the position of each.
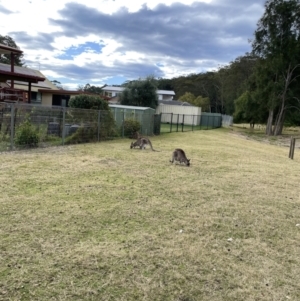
(152, 147)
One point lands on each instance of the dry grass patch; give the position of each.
(106, 222)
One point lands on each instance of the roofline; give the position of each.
(70, 92)
(8, 75)
(61, 92)
(9, 49)
(113, 88)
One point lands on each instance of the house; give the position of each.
(22, 84)
(114, 93)
(12, 73)
(40, 92)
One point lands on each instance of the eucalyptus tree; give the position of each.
(5, 58)
(141, 93)
(277, 43)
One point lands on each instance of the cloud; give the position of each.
(167, 40)
(3, 10)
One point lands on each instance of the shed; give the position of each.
(170, 110)
(144, 115)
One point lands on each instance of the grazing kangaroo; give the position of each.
(141, 142)
(179, 155)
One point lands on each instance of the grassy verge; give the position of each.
(106, 222)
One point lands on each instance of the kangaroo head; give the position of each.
(188, 162)
(131, 145)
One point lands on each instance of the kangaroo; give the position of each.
(179, 155)
(142, 142)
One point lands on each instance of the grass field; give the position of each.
(166, 128)
(106, 222)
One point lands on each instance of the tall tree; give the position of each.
(277, 43)
(5, 58)
(198, 101)
(141, 93)
(91, 89)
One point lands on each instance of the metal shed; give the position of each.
(144, 115)
(170, 109)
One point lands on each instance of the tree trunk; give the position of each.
(279, 124)
(269, 130)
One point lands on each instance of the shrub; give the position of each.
(83, 134)
(131, 126)
(26, 134)
(88, 102)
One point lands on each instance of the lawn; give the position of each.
(106, 222)
(166, 128)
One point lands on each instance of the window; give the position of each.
(36, 97)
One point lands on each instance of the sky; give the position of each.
(97, 42)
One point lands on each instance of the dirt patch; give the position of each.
(258, 135)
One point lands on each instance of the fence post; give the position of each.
(99, 112)
(292, 148)
(193, 123)
(182, 123)
(177, 122)
(63, 126)
(171, 122)
(200, 121)
(123, 124)
(12, 125)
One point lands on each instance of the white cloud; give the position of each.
(183, 40)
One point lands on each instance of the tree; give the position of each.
(198, 101)
(57, 84)
(88, 102)
(248, 109)
(91, 89)
(187, 97)
(202, 102)
(5, 58)
(141, 93)
(277, 43)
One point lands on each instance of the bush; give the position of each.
(131, 126)
(83, 134)
(88, 102)
(26, 135)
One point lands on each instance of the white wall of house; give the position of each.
(47, 99)
(115, 92)
(192, 115)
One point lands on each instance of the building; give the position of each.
(114, 93)
(21, 84)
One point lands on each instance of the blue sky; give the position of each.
(109, 42)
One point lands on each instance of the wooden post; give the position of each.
(99, 113)
(292, 148)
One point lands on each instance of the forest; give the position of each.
(261, 86)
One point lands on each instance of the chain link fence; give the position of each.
(183, 123)
(227, 121)
(24, 126)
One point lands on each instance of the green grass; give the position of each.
(106, 222)
(166, 128)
